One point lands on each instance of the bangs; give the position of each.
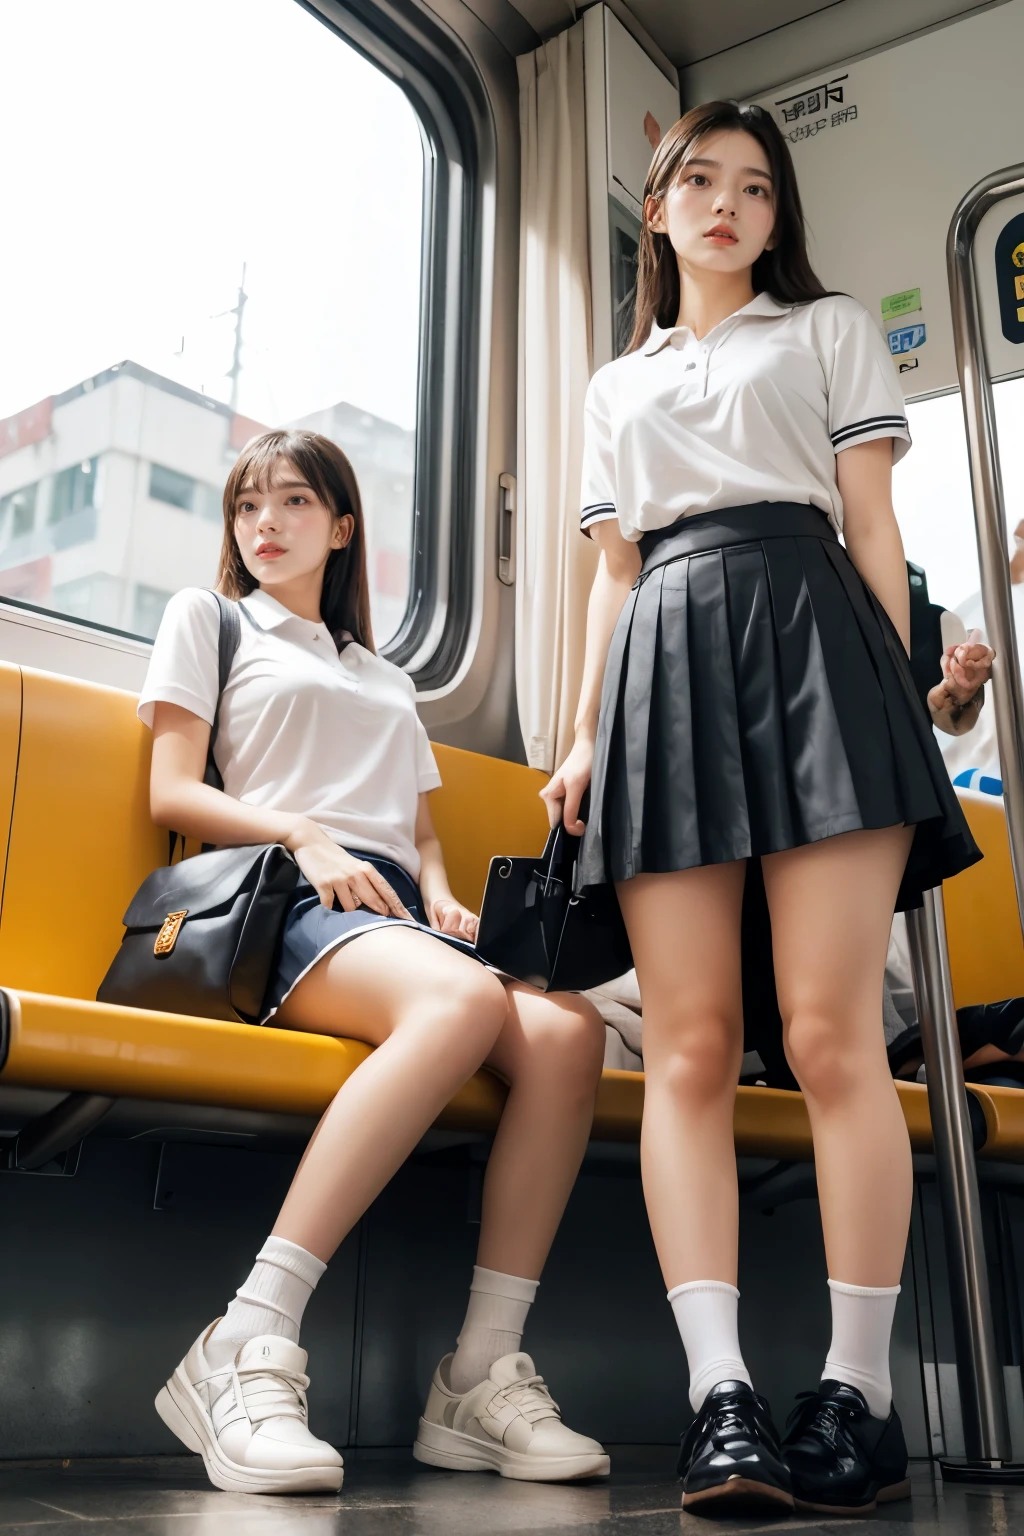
(259, 460)
(255, 469)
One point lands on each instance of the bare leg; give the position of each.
(986, 1055)
(831, 906)
(685, 933)
(434, 1016)
(429, 1011)
(550, 1051)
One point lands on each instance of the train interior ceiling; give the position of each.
(415, 324)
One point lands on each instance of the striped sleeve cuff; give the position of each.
(870, 427)
(598, 512)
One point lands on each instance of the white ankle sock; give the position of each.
(494, 1324)
(706, 1316)
(272, 1300)
(859, 1353)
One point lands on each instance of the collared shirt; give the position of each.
(302, 728)
(754, 411)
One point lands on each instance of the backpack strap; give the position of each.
(228, 636)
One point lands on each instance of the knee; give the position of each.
(695, 1065)
(828, 1067)
(471, 1004)
(565, 1044)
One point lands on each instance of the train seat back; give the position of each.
(81, 838)
(986, 951)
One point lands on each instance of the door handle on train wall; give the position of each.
(507, 530)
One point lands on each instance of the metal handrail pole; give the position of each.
(987, 491)
(979, 1371)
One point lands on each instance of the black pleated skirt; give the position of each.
(757, 698)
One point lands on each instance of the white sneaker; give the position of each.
(247, 1419)
(507, 1424)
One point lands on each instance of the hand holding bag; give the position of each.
(201, 935)
(536, 927)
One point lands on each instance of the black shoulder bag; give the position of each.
(536, 927)
(201, 935)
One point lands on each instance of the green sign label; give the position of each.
(901, 303)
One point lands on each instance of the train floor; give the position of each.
(388, 1495)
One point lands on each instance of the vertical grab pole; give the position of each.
(987, 490)
(979, 1371)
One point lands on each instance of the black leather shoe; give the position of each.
(841, 1459)
(730, 1454)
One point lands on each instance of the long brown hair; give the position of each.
(345, 600)
(784, 272)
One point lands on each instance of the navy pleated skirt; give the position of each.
(757, 698)
(311, 930)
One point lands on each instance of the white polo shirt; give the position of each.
(755, 411)
(302, 728)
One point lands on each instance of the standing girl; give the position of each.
(757, 704)
(320, 748)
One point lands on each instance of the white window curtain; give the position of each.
(554, 562)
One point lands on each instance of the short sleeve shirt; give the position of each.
(754, 411)
(303, 729)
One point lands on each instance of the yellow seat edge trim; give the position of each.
(70, 1045)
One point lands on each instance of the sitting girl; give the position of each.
(320, 749)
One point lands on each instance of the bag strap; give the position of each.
(229, 633)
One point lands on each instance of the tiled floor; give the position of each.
(390, 1496)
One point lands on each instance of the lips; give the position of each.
(721, 232)
(268, 551)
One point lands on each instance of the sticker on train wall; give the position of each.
(904, 303)
(1010, 278)
(816, 109)
(907, 339)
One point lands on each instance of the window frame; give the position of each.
(447, 95)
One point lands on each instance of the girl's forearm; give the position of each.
(611, 587)
(200, 811)
(433, 880)
(876, 549)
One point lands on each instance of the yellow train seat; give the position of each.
(76, 840)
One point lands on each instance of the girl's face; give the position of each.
(285, 532)
(719, 213)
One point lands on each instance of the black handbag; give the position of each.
(201, 935)
(536, 927)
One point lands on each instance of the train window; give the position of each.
(932, 493)
(932, 497)
(224, 237)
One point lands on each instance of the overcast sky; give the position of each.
(150, 149)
